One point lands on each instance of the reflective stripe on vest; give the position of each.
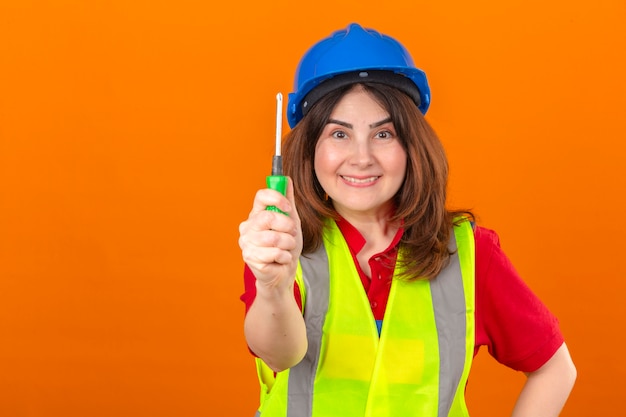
(423, 374)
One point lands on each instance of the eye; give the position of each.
(384, 134)
(339, 134)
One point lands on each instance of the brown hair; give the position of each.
(420, 201)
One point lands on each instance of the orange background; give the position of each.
(133, 135)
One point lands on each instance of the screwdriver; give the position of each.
(277, 181)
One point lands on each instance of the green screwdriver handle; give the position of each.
(278, 183)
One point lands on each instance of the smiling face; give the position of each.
(359, 159)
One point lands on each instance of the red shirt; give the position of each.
(517, 328)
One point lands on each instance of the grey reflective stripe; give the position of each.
(449, 305)
(302, 376)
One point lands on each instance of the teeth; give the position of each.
(360, 181)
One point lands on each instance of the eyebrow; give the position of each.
(350, 126)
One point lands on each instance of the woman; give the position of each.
(369, 297)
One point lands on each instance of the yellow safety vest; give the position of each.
(417, 367)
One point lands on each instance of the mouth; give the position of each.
(354, 180)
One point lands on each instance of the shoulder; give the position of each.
(514, 324)
(486, 238)
(487, 248)
(493, 267)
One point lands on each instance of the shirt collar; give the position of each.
(355, 239)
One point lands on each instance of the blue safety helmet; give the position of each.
(354, 55)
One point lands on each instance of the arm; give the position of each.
(275, 329)
(546, 389)
(271, 244)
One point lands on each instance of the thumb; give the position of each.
(293, 212)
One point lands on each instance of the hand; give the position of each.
(271, 242)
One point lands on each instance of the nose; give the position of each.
(361, 154)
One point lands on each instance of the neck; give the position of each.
(377, 230)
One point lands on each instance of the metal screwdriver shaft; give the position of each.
(277, 161)
(277, 181)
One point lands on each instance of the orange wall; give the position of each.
(134, 133)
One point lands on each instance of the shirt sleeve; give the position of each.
(249, 283)
(517, 328)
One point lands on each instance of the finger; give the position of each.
(293, 212)
(268, 220)
(268, 197)
(274, 239)
(261, 258)
(267, 239)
